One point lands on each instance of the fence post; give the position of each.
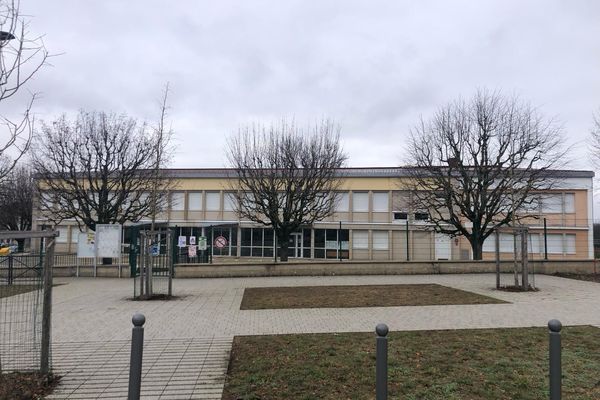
(381, 360)
(407, 242)
(497, 241)
(47, 306)
(524, 260)
(545, 240)
(555, 327)
(10, 269)
(135, 363)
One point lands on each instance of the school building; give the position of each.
(372, 221)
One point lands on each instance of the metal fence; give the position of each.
(25, 308)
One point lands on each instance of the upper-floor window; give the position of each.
(195, 201)
(213, 201)
(343, 202)
(229, 201)
(421, 216)
(177, 201)
(360, 201)
(381, 202)
(556, 203)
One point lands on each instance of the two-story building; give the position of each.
(372, 221)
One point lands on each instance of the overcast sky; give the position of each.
(374, 67)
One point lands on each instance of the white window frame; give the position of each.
(195, 201)
(360, 239)
(378, 240)
(378, 204)
(364, 198)
(210, 199)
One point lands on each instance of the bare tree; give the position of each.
(479, 162)
(595, 142)
(21, 57)
(287, 177)
(16, 201)
(162, 156)
(99, 169)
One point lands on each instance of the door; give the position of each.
(295, 247)
(443, 247)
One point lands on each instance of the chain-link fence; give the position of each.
(25, 306)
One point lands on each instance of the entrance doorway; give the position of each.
(295, 245)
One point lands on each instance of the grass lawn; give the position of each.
(449, 365)
(358, 296)
(13, 290)
(25, 386)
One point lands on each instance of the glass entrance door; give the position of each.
(295, 245)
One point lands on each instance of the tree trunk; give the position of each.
(284, 244)
(477, 248)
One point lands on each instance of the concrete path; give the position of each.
(188, 339)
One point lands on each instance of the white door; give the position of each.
(443, 247)
(295, 248)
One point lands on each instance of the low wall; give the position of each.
(103, 271)
(332, 268)
(376, 268)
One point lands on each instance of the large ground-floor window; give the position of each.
(332, 243)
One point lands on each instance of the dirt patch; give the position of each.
(358, 296)
(26, 386)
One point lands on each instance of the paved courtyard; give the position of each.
(187, 340)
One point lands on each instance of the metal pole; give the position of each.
(340, 242)
(524, 261)
(407, 241)
(47, 307)
(381, 360)
(545, 240)
(497, 239)
(10, 269)
(555, 327)
(212, 238)
(135, 363)
(274, 245)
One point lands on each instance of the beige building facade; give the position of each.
(372, 221)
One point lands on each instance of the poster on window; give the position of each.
(192, 251)
(182, 241)
(192, 240)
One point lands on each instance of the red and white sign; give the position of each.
(220, 242)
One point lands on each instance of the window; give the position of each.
(569, 203)
(213, 201)
(552, 203)
(360, 201)
(570, 243)
(229, 201)
(506, 243)
(343, 202)
(195, 201)
(555, 245)
(534, 243)
(63, 231)
(380, 240)
(421, 216)
(401, 216)
(177, 201)
(360, 240)
(381, 202)
(74, 234)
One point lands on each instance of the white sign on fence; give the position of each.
(202, 243)
(86, 244)
(108, 240)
